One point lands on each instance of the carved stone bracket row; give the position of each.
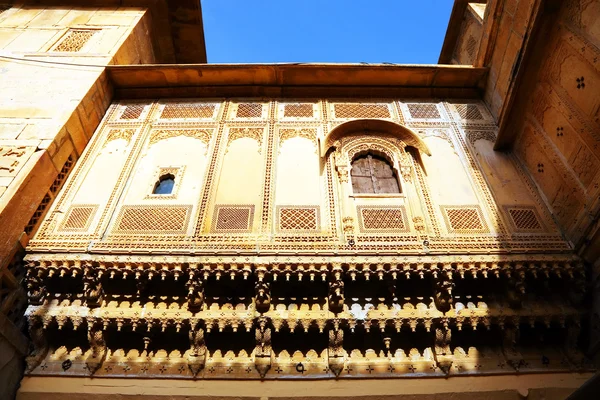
(263, 353)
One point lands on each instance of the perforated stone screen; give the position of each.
(132, 111)
(298, 218)
(382, 219)
(153, 219)
(298, 111)
(233, 217)
(468, 111)
(462, 219)
(79, 217)
(75, 39)
(249, 110)
(187, 110)
(358, 110)
(422, 111)
(525, 219)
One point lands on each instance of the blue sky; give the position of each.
(268, 31)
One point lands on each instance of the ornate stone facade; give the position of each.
(265, 263)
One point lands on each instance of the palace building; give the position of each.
(172, 229)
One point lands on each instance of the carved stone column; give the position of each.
(443, 286)
(341, 166)
(92, 287)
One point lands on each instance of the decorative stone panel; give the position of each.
(189, 111)
(298, 110)
(233, 218)
(298, 218)
(382, 219)
(524, 218)
(153, 219)
(360, 110)
(74, 40)
(464, 219)
(423, 111)
(79, 217)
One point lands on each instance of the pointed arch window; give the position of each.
(372, 173)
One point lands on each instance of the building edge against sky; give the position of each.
(528, 78)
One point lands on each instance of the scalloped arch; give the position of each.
(373, 126)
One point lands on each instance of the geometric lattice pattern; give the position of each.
(188, 110)
(524, 218)
(423, 110)
(298, 110)
(468, 111)
(75, 39)
(153, 219)
(382, 219)
(132, 111)
(471, 44)
(464, 219)
(249, 110)
(233, 217)
(78, 217)
(298, 218)
(358, 110)
(39, 212)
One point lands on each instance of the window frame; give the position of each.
(176, 172)
(392, 163)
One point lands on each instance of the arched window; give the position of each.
(164, 185)
(373, 174)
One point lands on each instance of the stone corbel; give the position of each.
(36, 285)
(509, 343)
(39, 343)
(515, 289)
(263, 353)
(97, 344)
(444, 284)
(92, 287)
(442, 352)
(197, 352)
(195, 288)
(335, 352)
(571, 347)
(262, 291)
(336, 291)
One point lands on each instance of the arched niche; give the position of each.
(375, 127)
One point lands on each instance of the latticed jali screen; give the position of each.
(468, 111)
(163, 219)
(357, 110)
(464, 219)
(525, 219)
(423, 110)
(298, 111)
(75, 39)
(382, 218)
(78, 217)
(188, 110)
(298, 218)
(249, 110)
(233, 218)
(132, 111)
